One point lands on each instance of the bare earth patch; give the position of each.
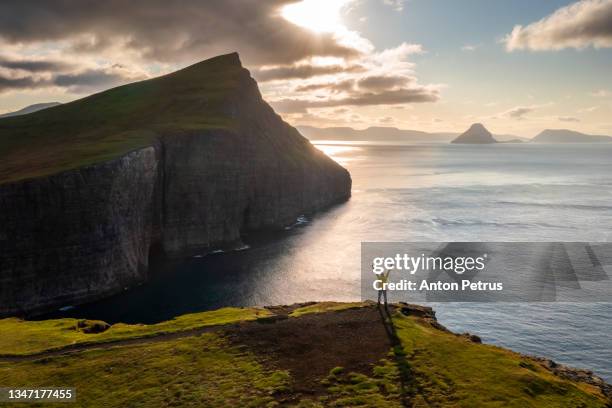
(312, 345)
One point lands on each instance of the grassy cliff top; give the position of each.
(314, 355)
(110, 123)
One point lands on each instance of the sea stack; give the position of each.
(175, 165)
(476, 134)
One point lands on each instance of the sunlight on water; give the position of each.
(342, 154)
(419, 193)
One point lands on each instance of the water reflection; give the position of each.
(342, 154)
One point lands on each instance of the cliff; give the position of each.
(476, 134)
(568, 136)
(186, 162)
(357, 354)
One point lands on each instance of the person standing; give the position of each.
(382, 292)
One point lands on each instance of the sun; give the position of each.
(320, 16)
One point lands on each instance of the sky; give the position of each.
(516, 66)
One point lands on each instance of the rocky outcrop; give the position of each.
(476, 134)
(86, 233)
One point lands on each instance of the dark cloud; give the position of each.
(393, 97)
(382, 82)
(336, 87)
(568, 119)
(31, 65)
(303, 71)
(169, 32)
(79, 82)
(9, 84)
(579, 25)
(519, 112)
(90, 80)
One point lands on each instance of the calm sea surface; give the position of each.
(425, 192)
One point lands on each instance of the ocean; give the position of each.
(422, 193)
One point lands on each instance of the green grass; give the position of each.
(21, 337)
(450, 370)
(111, 123)
(380, 389)
(429, 366)
(204, 371)
(321, 307)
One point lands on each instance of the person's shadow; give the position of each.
(399, 354)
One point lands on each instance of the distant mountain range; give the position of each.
(30, 109)
(568, 136)
(384, 134)
(394, 135)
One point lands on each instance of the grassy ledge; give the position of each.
(321, 307)
(287, 362)
(21, 337)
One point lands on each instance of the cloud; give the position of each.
(601, 93)
(92, 80)
(578, 25)
(418, 94)
(382, 82)
(386, 120)
(157, 31)
(302, 71)
(388, 79)
(568, 119)
(588, 109)
(113, 42)
(335, 87)
(397, 5)
(470, 47)
(9, 84)
(86, 81)
(518, 112)
(33, 65)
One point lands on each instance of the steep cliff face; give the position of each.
(76, 235)
(260, 174)
(87, 232)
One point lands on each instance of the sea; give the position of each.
(522, 192)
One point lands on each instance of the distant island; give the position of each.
(476, 134)
(568, 136)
